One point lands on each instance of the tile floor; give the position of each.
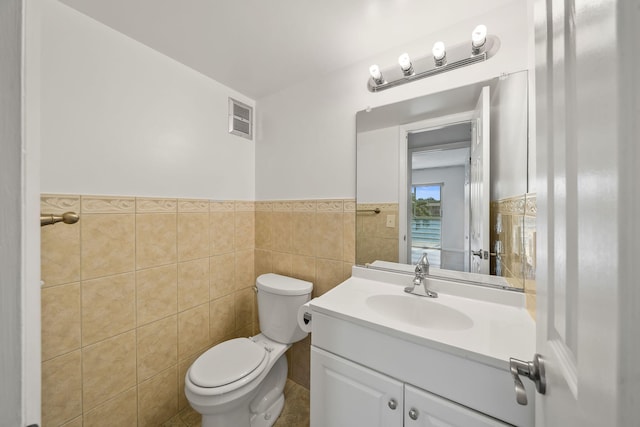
(294, 414)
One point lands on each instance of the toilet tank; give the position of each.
(279, 298)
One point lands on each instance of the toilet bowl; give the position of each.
(240, 382)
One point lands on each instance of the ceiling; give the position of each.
(259, 47)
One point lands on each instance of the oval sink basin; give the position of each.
(419, 311)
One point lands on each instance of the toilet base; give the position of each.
(269, 417)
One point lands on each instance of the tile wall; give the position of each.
(513, 233)
(375, 239)
(140, 287)
(312, 240)
(133, 293)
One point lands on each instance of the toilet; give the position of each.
(240, 382)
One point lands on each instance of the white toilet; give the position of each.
(240, 382)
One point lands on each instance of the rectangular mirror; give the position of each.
(448, 174)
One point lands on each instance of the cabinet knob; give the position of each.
(393, 404)
(413, 414)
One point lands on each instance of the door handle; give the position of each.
(533, 370)
(480, 253)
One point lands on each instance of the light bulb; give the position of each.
(405, 62)
(439, 52)
(479, 36)
(376, 75)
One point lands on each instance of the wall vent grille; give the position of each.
(240, 119)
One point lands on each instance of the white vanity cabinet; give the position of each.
(348, 394)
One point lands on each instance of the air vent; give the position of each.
(240, 119)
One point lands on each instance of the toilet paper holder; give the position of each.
(306, 317)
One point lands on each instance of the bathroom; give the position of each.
(179, 217)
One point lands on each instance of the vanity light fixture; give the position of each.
(405, 64)
(483, 47)
(478, 39)
(376, 75)
(439, 54)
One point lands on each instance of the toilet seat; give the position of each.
(238, 361)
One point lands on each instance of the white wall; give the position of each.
(453, 206)
(10, 213)
(509, 128)
(306, 134)
(119, 118)
(377, 169)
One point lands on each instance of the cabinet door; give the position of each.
(345, 394)
(434, 411)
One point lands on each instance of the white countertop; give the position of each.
(495, 323)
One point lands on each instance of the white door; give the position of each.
(587, 234)
(424, 409)
(479, 185)
(346, 394)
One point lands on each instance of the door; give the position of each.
(424, 409)
(479, 185)
(346, 394)
(587, 235)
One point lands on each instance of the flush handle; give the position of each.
(533, 370)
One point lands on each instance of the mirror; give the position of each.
(449, 174)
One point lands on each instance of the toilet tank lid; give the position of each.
(283, 285)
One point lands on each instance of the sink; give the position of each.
(419, 311)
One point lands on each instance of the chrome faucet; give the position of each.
(422, 270)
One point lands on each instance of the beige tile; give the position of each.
(60, 253)
(346, 270)
(349, 236)
(304, 268)
(155, 205)
(120, 411)
(329, 273)
(108, 369)
(157, 293)
(222, 229)
(282, 263)
(264, 230)
(193, 330)
(156, 239)
(223, 276)
(190, 417)
(222, 318)
(330, 235)
(296, 406)
(157, 347)
(108, 307)
(60, 320)
(282, 231)
(108, 204)
(245, 230)
(244, 302)
(76, 422)
(245, 268)
(193, 236)
(301, 362)
(263, 262)
(193, 283)
(61, 389)
(304, 233)
(158, 398)
(108, 244)
(193, 205)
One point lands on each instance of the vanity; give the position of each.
(383, 357)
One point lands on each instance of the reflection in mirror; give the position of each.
(448, 174)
